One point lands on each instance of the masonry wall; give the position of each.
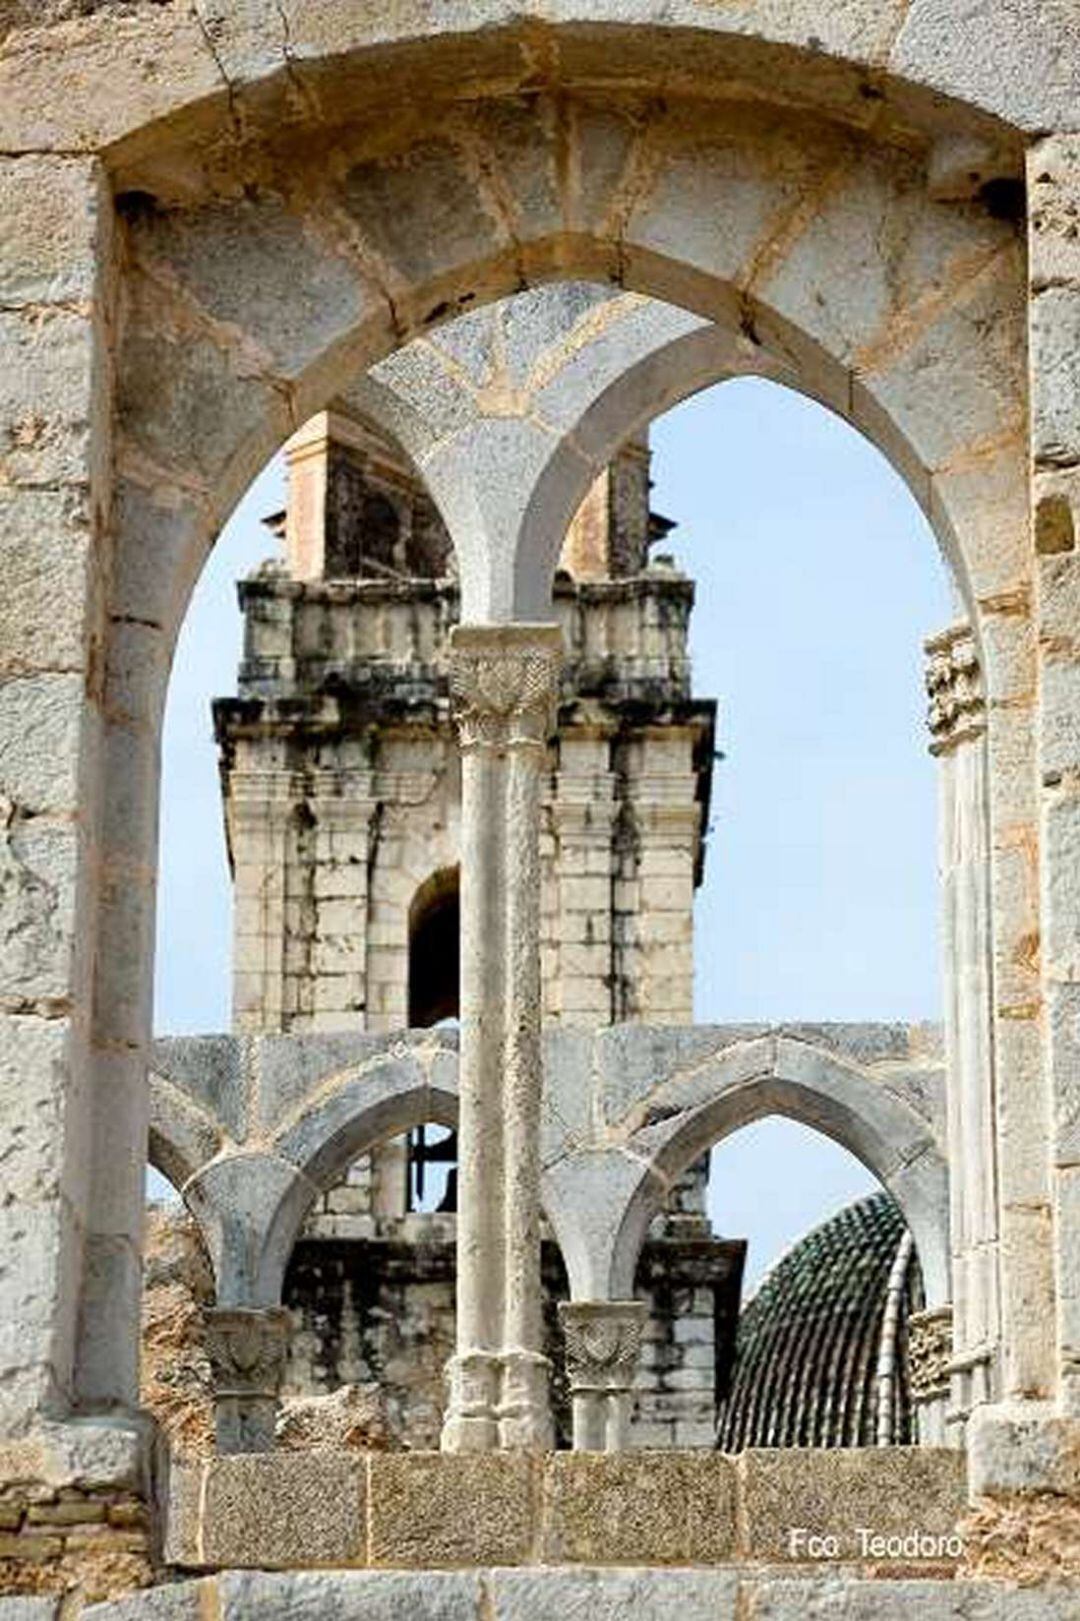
(379, 1309)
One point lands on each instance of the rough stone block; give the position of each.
(29, 1609)
(350, 1595)
(47, 417)
(434, 1509)
(1023, 1448)
(279, 1510)
(40, 734)
(180, 1601)
(613, 1595)
(1055, 404)
(846, 1599)
(639, 1507)
(891, 1491)
(33, 1077)
(49, 222)
(44, 555)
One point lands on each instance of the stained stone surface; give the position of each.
(654, 1508)
(471, 1509)
(890, 1491)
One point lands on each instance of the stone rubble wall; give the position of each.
(373, 1329)
(379, 1311)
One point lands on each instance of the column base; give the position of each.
(472, 1423)
(525, 1422)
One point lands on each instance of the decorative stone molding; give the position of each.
(929, 1355)
(247, 1349)
(957, 711)
(504, 682)
(603, 1343)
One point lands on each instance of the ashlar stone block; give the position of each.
(640, 1507)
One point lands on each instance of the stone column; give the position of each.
(504, 682)
(603, 1343)
(957, 721)
(247, 1350)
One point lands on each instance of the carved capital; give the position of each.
(247, 1350)
(504, 683)
(603, 1343)
(929, 1353)
(954, 686)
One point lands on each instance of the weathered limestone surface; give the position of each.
(404, 1510)
(609, 1595)
(969, 1356)
(504, 684)
(55, 290)
(834, 50)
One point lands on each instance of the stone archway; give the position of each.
(206, 368)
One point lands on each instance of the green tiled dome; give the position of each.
(819, 1360)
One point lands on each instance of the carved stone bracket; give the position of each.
(957, 709)
(929, 1357)
(247, 1350)
(603, 1344)
(504, 683)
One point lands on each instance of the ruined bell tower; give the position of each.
(340, 773)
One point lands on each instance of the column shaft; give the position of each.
(504, 681)
(958, 730)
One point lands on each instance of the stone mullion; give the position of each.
(504, 682)
(958, 732)
(472, 1415)
(523, 1409)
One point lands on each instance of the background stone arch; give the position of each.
(692, 1106)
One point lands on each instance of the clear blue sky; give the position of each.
(818, 579)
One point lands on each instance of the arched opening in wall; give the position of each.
(831, 1346)
(326, 958)
(820, 1350)
(816, 580)
(435, 951)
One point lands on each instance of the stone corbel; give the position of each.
(603, 1344)
(247, 1348)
